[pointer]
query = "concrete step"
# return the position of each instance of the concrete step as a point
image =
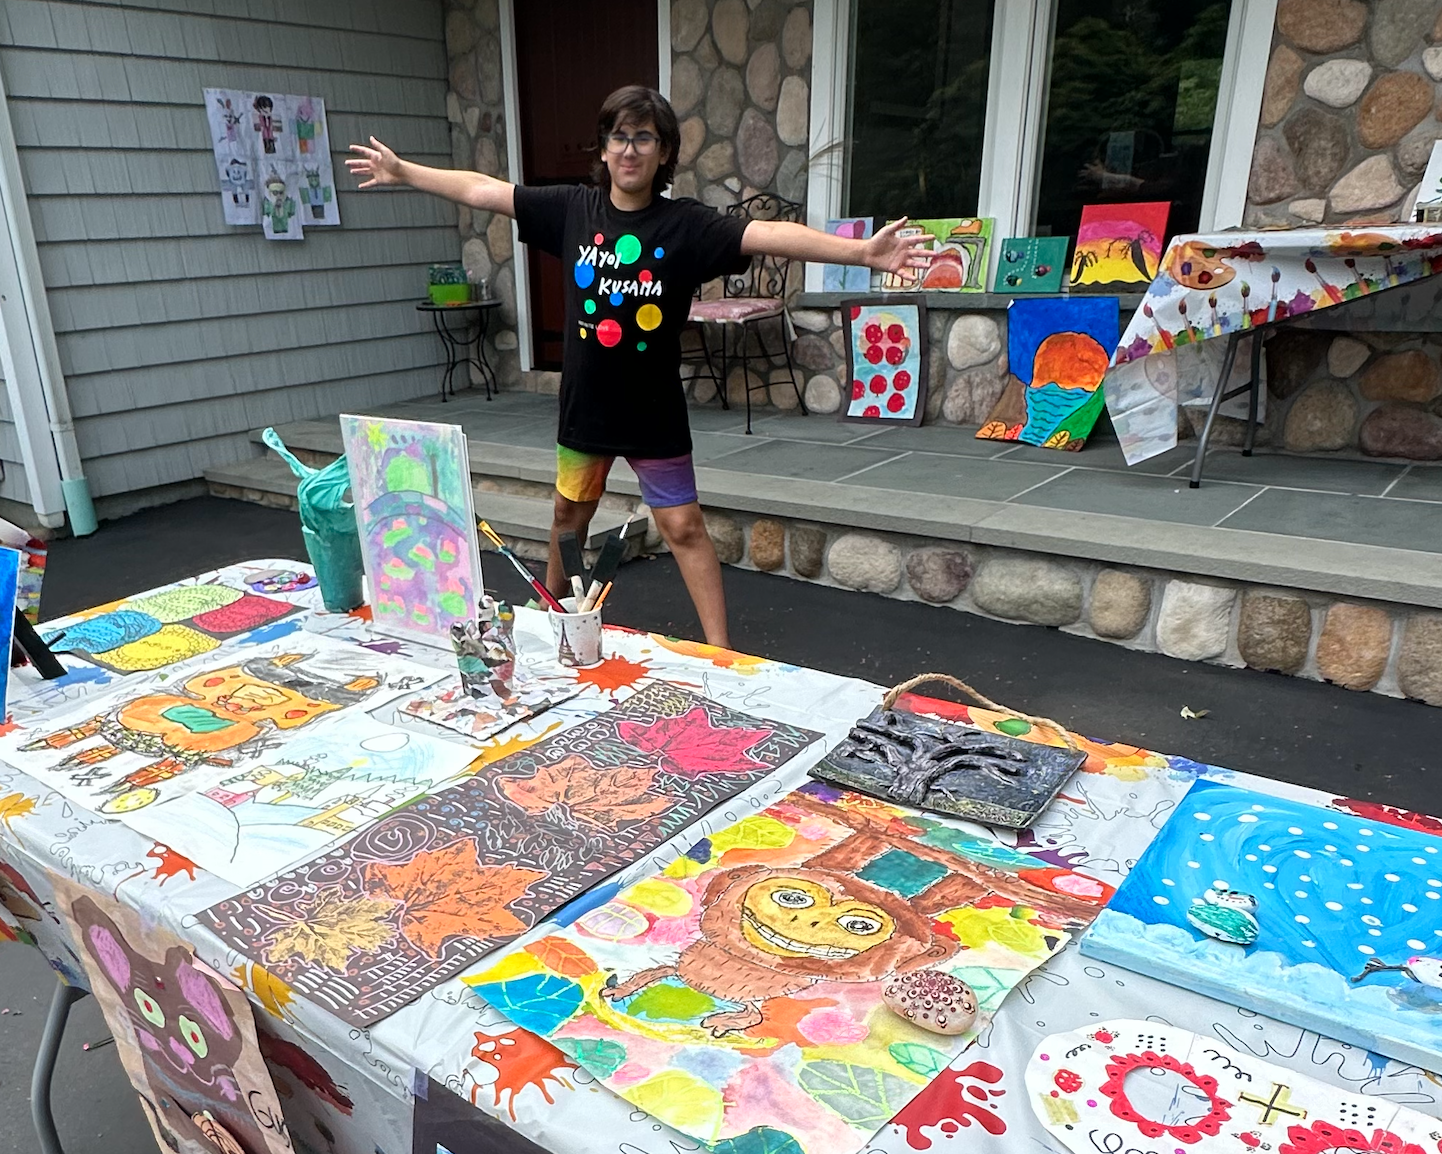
(268, 480)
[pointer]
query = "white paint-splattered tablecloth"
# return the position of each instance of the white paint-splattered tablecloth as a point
(1232, 283)
(1100, 824)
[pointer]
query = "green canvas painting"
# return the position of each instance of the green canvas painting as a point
(1031, 264)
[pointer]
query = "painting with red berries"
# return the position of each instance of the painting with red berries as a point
(424, 893)
(886, 343)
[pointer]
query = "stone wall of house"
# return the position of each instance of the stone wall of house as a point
(475, 107)
(1377, 392)
(1385, 648)
(1349, 111)
(741, 88)
(966, 373)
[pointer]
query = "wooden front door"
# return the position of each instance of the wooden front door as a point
(571, 55)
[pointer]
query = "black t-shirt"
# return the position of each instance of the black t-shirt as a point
(629, 280)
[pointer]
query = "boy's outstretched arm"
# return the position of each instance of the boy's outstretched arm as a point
(380, 166)
(885, 252)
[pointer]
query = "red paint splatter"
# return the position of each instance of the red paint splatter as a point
(360, 613)
(934, 706)
(614, 672)
(521, 1059)
(1103, 1036)
(1068, 1081)
(171, 863)
(1374, 811)
(943, 1104)
(8, 726)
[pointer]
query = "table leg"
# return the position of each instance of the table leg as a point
(447, 343)
(483, 362)
(64, 997)
(1196, 481)
(1254, 395)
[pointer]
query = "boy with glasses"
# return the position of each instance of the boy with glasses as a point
(633, 261)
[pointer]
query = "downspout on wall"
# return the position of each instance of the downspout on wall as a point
(31, 359)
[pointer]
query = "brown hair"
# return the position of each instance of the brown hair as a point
(637, 104)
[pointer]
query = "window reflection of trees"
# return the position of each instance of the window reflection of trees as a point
(918, 107)
(1133, 90)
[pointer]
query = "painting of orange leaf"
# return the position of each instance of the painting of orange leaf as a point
(331, 927)
(447, 893)
(603, 797)
(562, 957)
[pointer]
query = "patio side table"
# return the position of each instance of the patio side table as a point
(464, 346)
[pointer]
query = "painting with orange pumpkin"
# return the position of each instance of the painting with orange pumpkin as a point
(1059, 351)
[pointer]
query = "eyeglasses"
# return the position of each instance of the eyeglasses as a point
(643, 142)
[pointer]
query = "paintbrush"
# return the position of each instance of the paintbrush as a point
(606, 565)
(573, 562)
(530, 579)
(601, 600)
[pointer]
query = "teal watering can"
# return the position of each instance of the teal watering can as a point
(328, 523)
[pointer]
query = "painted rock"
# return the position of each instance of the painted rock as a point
(1225, 914)
(932, 1000)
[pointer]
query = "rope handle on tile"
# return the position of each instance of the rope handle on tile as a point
(894, 694)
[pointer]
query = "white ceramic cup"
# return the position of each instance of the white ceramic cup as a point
(578, 635)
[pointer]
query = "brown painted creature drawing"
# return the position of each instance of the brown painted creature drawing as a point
(185, 1036)
(769, 933)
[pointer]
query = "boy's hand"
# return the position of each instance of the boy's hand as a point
(888, 252)
(378, 163)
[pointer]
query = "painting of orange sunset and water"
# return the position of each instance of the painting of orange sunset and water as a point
(1119, 246)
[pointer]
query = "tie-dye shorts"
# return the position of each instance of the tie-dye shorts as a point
(665, 481)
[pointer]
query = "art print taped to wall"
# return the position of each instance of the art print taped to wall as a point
(886, 346)
(262, 137)
(1059, 351)
(1311, 916)
(184, 1034)
(411, 483)
(422, 894)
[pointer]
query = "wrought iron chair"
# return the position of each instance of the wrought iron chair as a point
(746, 303)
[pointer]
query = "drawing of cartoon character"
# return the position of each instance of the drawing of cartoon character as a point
(186, 1035)
(278, 208)
(316, 194)
(305, 126)
(267, 124)
(216, 716)
(231, 119)
(238, 182)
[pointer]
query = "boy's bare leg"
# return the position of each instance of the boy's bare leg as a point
(566, 515)
(685, 534)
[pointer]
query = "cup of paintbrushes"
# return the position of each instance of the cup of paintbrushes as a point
(578, 635)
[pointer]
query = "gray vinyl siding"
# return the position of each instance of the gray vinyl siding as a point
(179, 334)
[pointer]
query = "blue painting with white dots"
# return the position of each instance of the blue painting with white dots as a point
(1315, 917)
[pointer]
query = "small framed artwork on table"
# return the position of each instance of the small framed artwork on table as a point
(886, 353)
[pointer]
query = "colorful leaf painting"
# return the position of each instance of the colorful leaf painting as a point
(866, 1098)
(427, 890)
